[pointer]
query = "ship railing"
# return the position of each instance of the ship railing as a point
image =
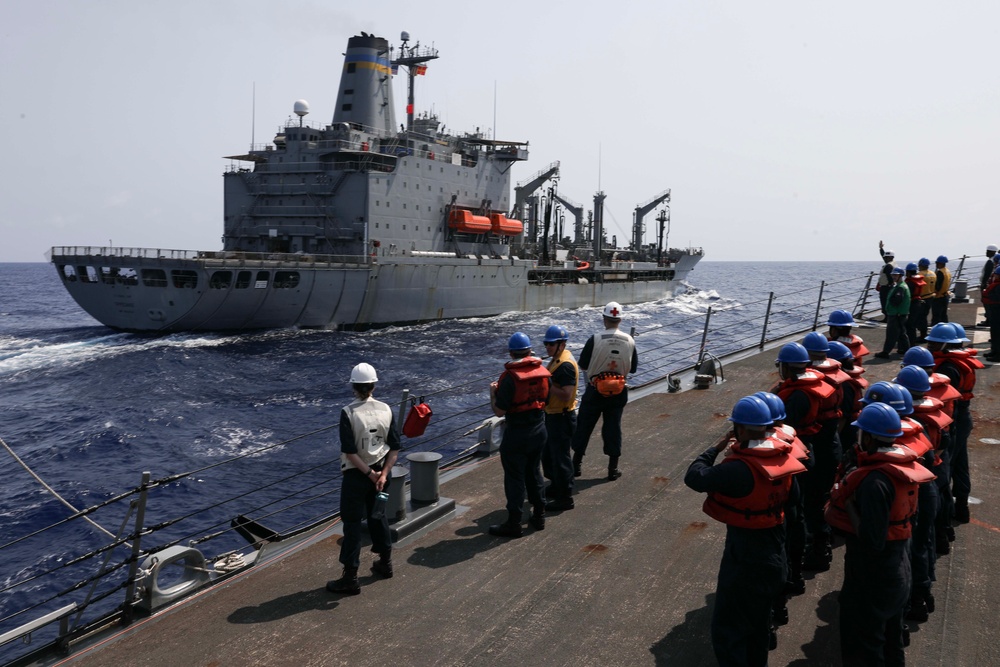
(217, 258)
(297, 479)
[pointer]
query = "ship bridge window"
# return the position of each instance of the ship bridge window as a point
(67, 272)
(286, 279)
(88, 274)
(263, 277)
(154, 277)
(243, 280)
(184, 278)
(221, 280)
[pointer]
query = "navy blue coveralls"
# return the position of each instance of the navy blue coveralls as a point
(752, 572)
(521, 453)
(357, 499)
(557, 464)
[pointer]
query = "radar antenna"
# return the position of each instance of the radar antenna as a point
(414, 59)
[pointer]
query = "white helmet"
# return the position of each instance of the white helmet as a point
(888, 253)
(613, 310)
(991, 247)
(363, 374)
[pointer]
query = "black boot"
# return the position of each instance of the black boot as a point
(577, 464)
(917, 609)
(816, 558)
(613, 471)
(929, 600)
(508, 529)
(383, 566)
(941, 544)
(962, 509)
(560, 504)
(537, 519)
(347, 584)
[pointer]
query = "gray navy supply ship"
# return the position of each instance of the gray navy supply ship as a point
(361, 222)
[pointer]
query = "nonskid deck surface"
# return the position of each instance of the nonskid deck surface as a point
(625, 578)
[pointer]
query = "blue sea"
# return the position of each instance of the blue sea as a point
(248, 422)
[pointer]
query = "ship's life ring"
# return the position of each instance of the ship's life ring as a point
(582, 266)
(430, 155)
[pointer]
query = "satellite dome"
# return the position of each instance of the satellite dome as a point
(301, 108)
(405, 36)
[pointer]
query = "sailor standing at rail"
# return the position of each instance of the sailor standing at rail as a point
(519, 396)
(885, 274)
(560, 420)
(984, 278)
(747, 491)
(942, 295)
(607, 358)
(369, 445)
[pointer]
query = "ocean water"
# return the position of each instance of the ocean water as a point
(248, 422)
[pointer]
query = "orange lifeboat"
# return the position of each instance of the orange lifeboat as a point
(463, 221)
(501, 224)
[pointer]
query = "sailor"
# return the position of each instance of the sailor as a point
(853, 390)
(747, 492)
(812, 406)
(984, 278)
(991, 302)
(840, 323)
(918, 306)
(927, 411)
(960, 366)
(897, 310)
(941, 296)
(560, 420)
(873, 505)
(519, 396)
(607, 358)
(885, 274)
(795, 523)
(941, 391)
(930, 278)
(369, 444)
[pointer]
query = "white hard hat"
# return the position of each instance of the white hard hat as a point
(888, 253)
(991, 247)
(363, 374)
(613, 310)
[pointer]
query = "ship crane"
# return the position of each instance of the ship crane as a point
(640, 213)
(524, 189)
(663, 217)
(577, 211)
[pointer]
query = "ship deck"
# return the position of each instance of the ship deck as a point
(626, 578)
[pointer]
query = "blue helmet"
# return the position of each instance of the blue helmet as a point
(942, 332)
(815, 342)
(839, 351)
(897, 271)
(907, 407)
(774, 404)
(840, 318)
(919, 356)
(793, 353)
(997, 270)
(751, 411)
(924, 262)
(879, 420)
(959, 332)
(914, 378)
(556, 333)
(941, 259)
(912, 266)
(885, 392)
(518, 342)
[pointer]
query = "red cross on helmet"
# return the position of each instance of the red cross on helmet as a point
(613, 310)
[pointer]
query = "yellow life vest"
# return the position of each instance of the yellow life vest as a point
(556, 405)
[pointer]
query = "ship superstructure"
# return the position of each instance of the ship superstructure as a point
(361, 222)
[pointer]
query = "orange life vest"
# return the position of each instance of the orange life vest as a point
(531, 384)
(855, 344)
(786, 433)
(913, 437)
(772, 466)
(901, 467)
(860, 386)
(819, 392)
(966, 365)
(942, 390)
(929, 412)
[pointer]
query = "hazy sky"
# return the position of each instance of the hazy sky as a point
(786, 130)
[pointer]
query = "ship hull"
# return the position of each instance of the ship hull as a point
(185, 291)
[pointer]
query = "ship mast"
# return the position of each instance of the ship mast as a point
(414, 59)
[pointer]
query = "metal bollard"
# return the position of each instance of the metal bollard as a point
(961, 289)
(424, 477)
(396, 507)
